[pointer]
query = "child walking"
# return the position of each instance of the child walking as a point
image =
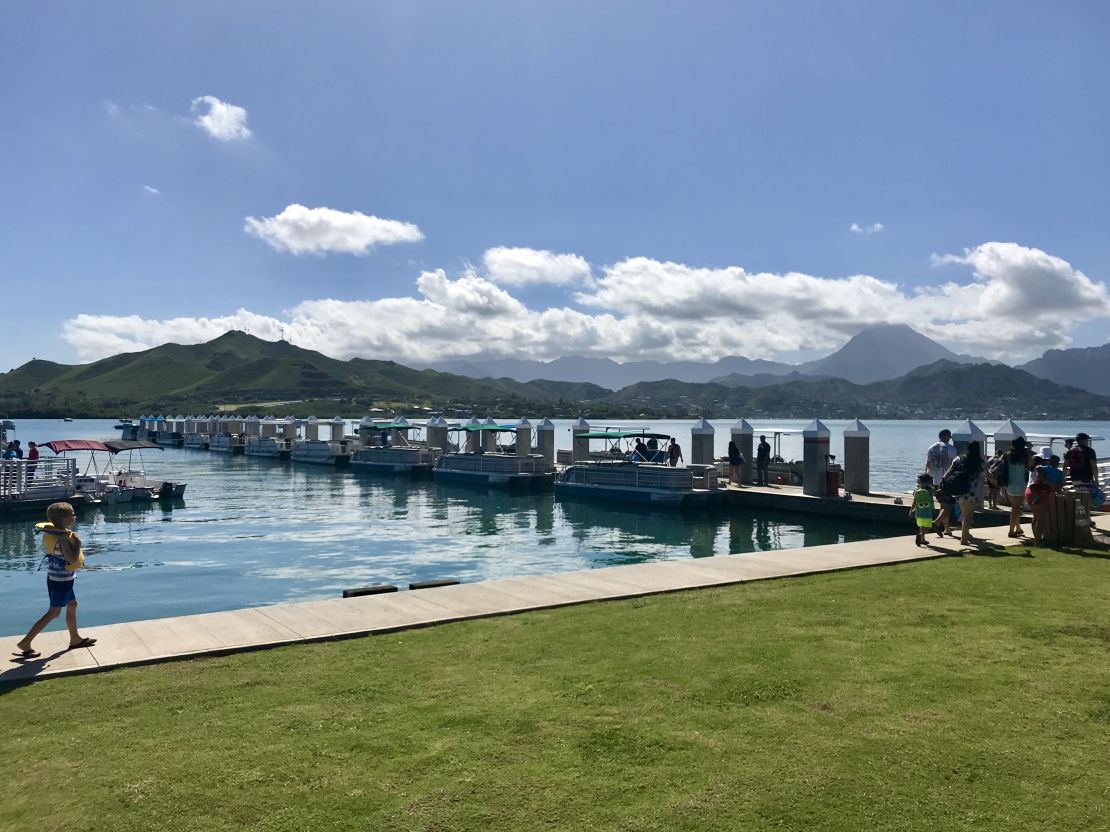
(64, 557)
(922, 510)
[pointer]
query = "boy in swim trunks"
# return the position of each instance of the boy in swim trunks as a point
(64, 558)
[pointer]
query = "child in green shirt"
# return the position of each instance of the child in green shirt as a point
(923, 506)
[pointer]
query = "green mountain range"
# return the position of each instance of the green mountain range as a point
(239, 371)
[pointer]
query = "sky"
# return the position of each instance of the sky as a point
(426, 181)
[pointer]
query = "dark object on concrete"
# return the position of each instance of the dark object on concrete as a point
(374, 589)
(432, 584)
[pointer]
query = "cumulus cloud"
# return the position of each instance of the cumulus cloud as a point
(874, 228)
(302, 230)
(150, 189)
(220, 120)
(521, 266)
(112, 108)
(1010, 306)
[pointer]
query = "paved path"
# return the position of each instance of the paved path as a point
(166, 639)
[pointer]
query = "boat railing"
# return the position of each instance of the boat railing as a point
(21, 479)
(495, 463)
(397, 456)
(647, 476)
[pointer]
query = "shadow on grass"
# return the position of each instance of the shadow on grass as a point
(986, 549)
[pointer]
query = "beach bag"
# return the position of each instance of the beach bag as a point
(1098, 498)
(955, 483)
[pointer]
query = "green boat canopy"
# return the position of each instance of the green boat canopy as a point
(481, 428)
(390, 426)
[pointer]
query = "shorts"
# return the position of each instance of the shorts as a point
(61, 592)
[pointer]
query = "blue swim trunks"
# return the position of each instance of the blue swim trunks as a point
(61, 592)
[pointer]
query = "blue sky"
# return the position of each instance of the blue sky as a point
(653, 180)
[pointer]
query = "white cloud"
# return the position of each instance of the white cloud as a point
(148, 189)
(521, 266)
(112, 108)
(874, 228)
(220, 120)
(1017, 302)
(302, 230)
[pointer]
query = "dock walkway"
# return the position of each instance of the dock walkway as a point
(191, 636)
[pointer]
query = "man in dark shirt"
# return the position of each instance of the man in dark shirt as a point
(762, 460)
(1081, 460)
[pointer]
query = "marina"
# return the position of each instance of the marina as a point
(252, 530)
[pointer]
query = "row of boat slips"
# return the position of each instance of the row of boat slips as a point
(605, 462)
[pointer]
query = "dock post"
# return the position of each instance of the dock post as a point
(523, 438)
(857, 458)
(701, 443)
(579, 448)
(436, 434)
(1004, 437)
(743, 435)
(473, 437)
(815, 452)
(311, 428)
(399, 438)
(545, 442)
(489, 437)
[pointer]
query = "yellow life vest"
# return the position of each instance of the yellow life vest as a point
(51, 537)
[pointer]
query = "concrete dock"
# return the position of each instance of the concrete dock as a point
(183, 637)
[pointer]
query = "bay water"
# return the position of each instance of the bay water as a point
(255, 531)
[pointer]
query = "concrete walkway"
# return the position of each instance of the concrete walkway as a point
(167, 639)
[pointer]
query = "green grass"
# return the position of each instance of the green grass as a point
(961, 694)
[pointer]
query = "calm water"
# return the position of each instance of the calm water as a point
(253, 532)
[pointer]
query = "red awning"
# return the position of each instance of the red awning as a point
(60, 446)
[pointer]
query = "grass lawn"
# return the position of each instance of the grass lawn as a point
(966, 693)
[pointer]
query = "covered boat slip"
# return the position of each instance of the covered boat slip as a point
(390, 448)
(631, 470)
(486, 462)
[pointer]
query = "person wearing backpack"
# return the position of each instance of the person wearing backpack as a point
(961, 483)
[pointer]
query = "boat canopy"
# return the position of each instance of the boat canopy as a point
(1055, 437)
(119, 445)
(486, 428)
(60, 446)
(622, 434)
(390, 426)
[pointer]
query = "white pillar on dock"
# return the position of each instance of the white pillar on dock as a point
(190, 424)
(398, 438)
(337, 429)
(311, 428)
(365, 434)
(268, 427)
(701, 443)
(857, 458)
(437, 435)
(179, 424)
(545, 442)
(523, 437)
(815, 452)
(743, 434)
(253, 426)
(489, 437)
(966, 433)
(473, 437)
(579, 447)
(1007, 432)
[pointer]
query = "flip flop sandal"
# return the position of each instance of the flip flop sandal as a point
(26, 654)
(85, 642)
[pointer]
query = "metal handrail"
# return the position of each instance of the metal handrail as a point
(26, 479)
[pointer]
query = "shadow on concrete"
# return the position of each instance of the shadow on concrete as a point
(24, 671)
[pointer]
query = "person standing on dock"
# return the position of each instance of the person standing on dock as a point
(762, 460)
(674, 453)
(735, 460)
(938, 459)
(32, 460)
